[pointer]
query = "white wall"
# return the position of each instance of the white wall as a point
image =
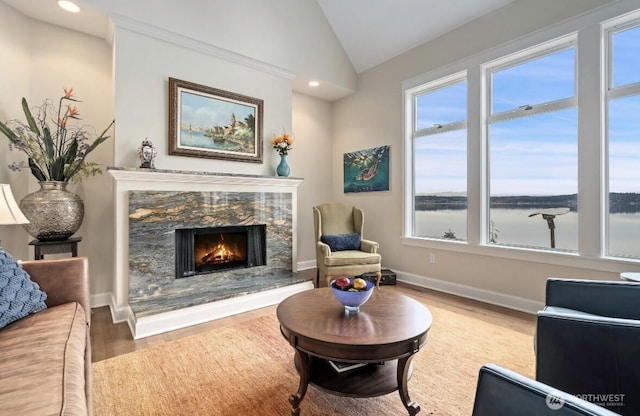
(14, 82)
(311, 160)
(290, 34)
(143, 66)
(130, 80)
(373, 116)
(45, 60)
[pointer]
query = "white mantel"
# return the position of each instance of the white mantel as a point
(138, 179)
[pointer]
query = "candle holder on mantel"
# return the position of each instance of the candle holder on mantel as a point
(147, 154)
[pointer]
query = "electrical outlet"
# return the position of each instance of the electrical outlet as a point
(432, 258)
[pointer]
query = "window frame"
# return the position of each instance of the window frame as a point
(563, 43)
(592, 167)
(411, 96)
(609, 29)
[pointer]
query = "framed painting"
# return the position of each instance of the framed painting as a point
(367, 170)
(212, 123)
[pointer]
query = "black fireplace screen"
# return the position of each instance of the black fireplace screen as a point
(211, 249)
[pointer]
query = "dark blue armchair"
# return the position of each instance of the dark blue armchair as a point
(502, 392)
(588, 342)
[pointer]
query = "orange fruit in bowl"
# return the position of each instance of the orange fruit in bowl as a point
(359, 283)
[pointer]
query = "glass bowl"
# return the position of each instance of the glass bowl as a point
(352, 300)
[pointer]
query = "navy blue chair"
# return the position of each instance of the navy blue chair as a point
(502, 392)
(588, 342)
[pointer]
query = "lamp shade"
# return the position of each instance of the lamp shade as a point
(9, 211)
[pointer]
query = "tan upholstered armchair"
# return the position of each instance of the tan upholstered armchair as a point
(340, 248)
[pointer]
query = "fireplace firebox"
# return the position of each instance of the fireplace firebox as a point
(210, 249)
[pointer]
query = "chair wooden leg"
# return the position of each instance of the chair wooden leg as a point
(379, 276)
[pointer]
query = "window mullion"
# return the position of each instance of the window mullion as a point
(440, 128)
(624, 91)
(532, 110)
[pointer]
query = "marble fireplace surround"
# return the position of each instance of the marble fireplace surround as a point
(151, 203)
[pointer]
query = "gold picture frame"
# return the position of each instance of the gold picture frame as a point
(212, 123)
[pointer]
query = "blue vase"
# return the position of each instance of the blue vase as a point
(283, 167)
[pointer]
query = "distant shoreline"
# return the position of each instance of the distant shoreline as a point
(618, 202)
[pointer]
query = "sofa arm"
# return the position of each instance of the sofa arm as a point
(368, 246)
(63, 280)
(616, 299)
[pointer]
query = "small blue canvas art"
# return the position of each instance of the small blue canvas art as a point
(367, 170)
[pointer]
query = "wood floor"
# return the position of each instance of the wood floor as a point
(109, 340)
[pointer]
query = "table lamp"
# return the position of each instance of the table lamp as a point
(9, 211)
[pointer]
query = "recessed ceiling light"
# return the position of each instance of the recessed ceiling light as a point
(313, 83)
(69, 6)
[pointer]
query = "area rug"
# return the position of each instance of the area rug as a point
(247, 369)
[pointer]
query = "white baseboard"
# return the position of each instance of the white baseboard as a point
(306, 265)
(487, 296)
(100, 299)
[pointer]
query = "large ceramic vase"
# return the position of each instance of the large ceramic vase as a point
(283, 167)
(54, 213)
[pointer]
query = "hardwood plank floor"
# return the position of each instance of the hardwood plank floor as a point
(109, 340)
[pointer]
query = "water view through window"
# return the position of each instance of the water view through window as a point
(531, 153)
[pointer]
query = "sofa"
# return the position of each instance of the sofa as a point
(45, 357)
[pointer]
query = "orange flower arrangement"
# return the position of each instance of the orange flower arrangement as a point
(282, 143)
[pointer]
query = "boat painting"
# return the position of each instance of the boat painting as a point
(367, 170)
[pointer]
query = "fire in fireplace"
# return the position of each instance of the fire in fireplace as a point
(210, 249)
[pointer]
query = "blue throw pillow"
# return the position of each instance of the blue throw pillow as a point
(19, 295)
(340, 242)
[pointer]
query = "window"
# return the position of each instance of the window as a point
(498, 144)
(439, 143)
(623, 133)
(532, 136)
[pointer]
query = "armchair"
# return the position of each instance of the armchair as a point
(340, 248)
(501, 392)
(588, 341)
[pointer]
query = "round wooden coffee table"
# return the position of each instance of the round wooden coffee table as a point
(386, 333)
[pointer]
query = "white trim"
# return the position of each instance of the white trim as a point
(534, 52)
(198, 46)
(168, 321)
(306, 265)
(624, 91)
(534, 109)
(100, 299)
(440, 128)
(155, 175)
(469, 292)
(559, 258)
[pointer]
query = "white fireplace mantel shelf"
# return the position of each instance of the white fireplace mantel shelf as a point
(195, 177)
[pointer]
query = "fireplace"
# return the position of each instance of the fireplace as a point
(211, 249)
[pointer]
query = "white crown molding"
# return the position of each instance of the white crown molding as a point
(155, 32)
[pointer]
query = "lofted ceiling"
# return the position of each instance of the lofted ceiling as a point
(370, 31)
